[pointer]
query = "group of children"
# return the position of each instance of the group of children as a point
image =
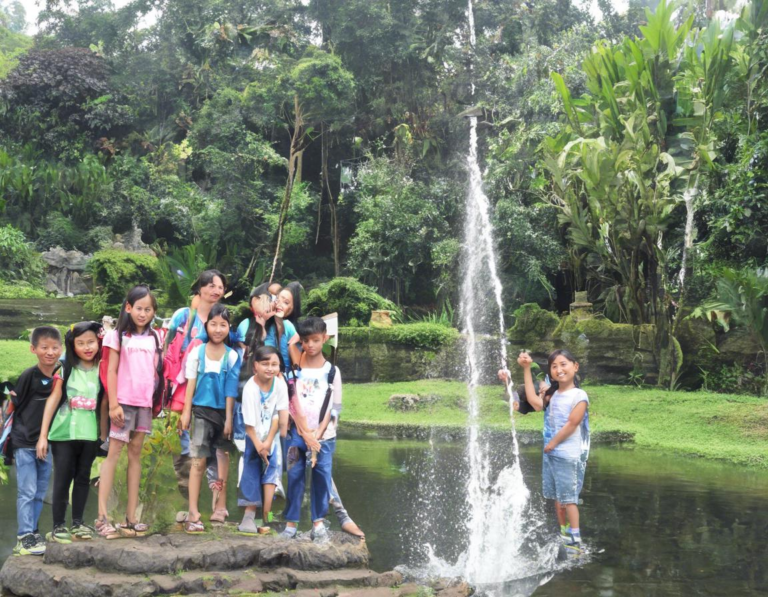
(266, 388)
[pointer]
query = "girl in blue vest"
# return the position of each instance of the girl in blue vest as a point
(212, 373)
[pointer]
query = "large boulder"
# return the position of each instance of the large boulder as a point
(66, 272)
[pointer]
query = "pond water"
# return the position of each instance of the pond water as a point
(17, 315)
(656, 524)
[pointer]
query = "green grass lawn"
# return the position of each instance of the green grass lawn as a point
(716, 426)
(14, 358)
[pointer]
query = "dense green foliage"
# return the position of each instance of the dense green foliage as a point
(20, 261)
(626, 157)
(114, 273)
(352, 300)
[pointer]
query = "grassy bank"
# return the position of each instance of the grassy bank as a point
(715, 426)
(14, 358)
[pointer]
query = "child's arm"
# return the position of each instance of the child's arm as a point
(115, 410)
(251, 432)
(571, 425)
(228, 420)
(534, 399)
(50, 409)
(186, 413)
(266, 445)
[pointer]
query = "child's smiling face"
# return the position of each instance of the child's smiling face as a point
(563, 370)
(218, 329)
(87, 346)
(47, 351)
(267, 369)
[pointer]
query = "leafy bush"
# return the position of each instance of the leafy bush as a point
(352, 300)
(419, 335)
(20, 290)
(532, 324)
(115, 272)
(20, 261)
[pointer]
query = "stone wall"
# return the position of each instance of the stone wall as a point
(66, 272)
(607, 352)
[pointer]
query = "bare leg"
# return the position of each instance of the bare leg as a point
(134, 474)
(560, 511)
(572, 511)
(269, 494)
(195, 479)
(107, 475)
(223, 463)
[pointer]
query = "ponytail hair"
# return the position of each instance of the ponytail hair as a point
(554, 385)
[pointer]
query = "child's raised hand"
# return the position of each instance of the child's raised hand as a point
(524, 360)
(503, 375)
(117, 416)
(42, 448)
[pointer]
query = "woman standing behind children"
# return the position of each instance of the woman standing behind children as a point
(71, 425)
(265, 396)
(134, 373)
(212, 372)
(566, 438)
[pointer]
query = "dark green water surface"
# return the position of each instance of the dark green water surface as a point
(656, 524)
(22, 314)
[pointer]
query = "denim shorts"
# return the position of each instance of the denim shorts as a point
(562, 478)
(137, 419)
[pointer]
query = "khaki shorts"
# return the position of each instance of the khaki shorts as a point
(138, 419)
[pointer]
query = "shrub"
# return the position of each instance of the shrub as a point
(532, 324)
(352, 300)
(420, 335)
(115, 272)
(20, 261)
(20, 290)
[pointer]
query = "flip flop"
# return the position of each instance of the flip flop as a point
(194, 527)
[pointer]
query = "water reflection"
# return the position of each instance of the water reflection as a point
(655, 524)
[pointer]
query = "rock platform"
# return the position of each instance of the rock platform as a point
(216, 563)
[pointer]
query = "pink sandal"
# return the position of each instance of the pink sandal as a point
(194, 528)
(105, 529)
(132, 529)
(219, 515)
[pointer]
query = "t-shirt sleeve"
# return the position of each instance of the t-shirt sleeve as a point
(250, 399)
(233, 375)
(22, 388)
(242, 330)
(290, 330)
(111, 340)
(581, 397)
(281, 390)
(193, 363)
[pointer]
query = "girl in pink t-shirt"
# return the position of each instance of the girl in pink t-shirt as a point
(135, 369)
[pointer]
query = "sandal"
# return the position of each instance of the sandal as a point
(219, 515)
(132, 529)
(194, 527)
(105, 529)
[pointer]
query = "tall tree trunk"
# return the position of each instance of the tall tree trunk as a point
(331, 205)
(294, 170)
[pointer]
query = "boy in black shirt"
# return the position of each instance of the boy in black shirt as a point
(32, 475)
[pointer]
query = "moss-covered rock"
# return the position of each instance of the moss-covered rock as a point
(532, 325)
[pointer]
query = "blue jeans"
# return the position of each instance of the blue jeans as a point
(321, 477)
(32, 476)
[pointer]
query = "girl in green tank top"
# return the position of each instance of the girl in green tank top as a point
(71, 427)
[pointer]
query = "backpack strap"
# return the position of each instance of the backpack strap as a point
(328, 392)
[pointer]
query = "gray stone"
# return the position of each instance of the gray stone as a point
(65, 275)
(131, 241)
(392, 578)
(404, 402)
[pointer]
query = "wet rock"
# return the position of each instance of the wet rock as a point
(392, 578)
(409, 590)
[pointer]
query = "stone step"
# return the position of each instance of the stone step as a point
(31, 577)
(219, 550)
